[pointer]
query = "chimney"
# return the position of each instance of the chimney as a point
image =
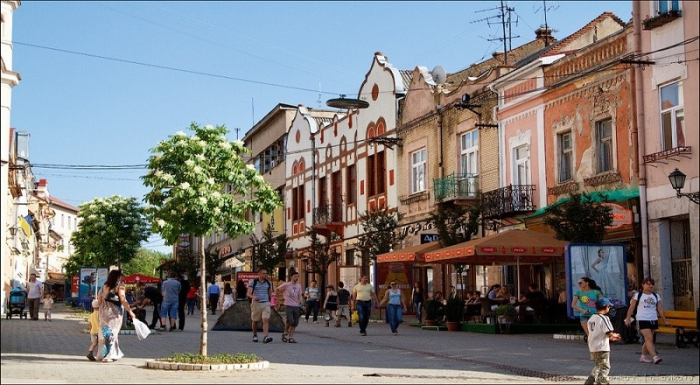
(545, 34)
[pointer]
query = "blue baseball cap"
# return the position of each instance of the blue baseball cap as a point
(603, 302)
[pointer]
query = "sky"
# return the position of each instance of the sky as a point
(104, 82)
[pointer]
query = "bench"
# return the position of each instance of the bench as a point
(684, 324)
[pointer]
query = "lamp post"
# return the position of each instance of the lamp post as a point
(677, 179)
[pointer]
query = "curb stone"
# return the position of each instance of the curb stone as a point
(162, 365)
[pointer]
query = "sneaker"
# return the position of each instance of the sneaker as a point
(255, 338)
(657, 359)
(349, 324)
(91, 357)
(645, 359)
(162, 328)
(315, 322)
(267, 339)
(173, 328)
(363, 334)
(307, 320)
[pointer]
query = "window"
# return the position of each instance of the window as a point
(376, 170)
(418, 171)
(469, 158)
(522, 165)
(352, 184)
(672, 118)
(298, 203)
(565, 156)
(604, 154)
(664, 6)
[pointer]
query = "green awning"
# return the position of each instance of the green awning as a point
(596, 196)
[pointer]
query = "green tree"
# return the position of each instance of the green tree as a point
(454, 223)
(580, 219)
(110, 231)
(270, 250)
(187, 176)
(145, 262)
(380, 234)
(320, 256)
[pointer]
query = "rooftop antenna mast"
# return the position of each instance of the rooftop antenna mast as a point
(545, 9)
(506, 25)
(319, 96)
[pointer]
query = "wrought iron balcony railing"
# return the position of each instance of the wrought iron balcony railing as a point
(456, 186)
(506, 201)
(328, 214)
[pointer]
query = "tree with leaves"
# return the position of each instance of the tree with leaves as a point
(320, 256)
(145, 262)
(110, 232)
(380, 234)
(188, 175)
(270, 251)
(580, 219)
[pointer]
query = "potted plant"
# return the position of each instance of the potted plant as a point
(432, 307)
(454, 312)
(505, 314)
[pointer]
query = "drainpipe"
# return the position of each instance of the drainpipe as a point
(441, 170)
(638, 96)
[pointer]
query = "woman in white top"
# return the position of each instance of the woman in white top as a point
(228, 297)
(648, 312)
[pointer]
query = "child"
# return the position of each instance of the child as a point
(94, 329)
(600, 333)
(48, 305)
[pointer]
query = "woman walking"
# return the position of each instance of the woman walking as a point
(395, 306)
(648, 306)
(584, 301)
(112, 302)
(417, 299)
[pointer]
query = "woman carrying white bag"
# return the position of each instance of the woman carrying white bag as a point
(142, 330)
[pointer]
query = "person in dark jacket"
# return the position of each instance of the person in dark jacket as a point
(184, 289)
(152, 296)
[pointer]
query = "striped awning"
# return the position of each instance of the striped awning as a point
(409, 254)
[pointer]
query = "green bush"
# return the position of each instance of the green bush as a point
(431, 309)
(454, 310)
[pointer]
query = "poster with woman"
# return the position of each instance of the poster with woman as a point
(605, 264)
(91, 280)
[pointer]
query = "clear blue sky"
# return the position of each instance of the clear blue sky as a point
(103, 82)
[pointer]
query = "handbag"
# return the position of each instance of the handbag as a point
(142, 330)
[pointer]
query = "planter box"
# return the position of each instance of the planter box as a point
(480, 328)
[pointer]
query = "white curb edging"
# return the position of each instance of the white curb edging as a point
(163, 365)
(568, 336)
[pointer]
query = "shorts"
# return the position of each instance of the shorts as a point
(259, 311)
(343, 310)
(584, 318)
(293, 314)
(653, 325)
(93, 338)
(169, 309)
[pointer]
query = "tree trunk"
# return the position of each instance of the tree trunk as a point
(203, 285)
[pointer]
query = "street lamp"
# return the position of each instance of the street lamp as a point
(677, 179)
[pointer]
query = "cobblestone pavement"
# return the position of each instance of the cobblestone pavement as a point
(54, 352)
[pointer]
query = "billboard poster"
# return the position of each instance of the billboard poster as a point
(605, 264)
(91, 279)
(398, 271)
(246, 276)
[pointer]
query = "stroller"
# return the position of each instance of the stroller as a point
(17, 303)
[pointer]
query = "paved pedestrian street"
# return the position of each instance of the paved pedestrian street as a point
(54, 352)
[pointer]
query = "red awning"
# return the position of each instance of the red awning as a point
(136, 278)
(409, 254)
(506, 248)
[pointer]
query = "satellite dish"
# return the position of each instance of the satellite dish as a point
(439, 75)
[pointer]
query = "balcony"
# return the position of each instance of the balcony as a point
(456, 187)
(507, 201)
(661, 19)
(327, 219)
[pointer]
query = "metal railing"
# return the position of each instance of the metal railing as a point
(507, 200)
(456, 186)
(328, 214)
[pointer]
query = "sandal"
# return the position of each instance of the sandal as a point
(284, 338)
(291, 340)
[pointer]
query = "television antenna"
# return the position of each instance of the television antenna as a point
(544, 10)
(506, 24)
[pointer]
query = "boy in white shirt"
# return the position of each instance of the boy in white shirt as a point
(600, 333)
(48, 305)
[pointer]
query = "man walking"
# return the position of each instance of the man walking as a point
(363, 297)
(343, 305)
(35, 292)
(292, 305)
(213, 293)
(171, 297)
(260, 292)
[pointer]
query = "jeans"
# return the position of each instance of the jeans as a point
(191, 302)
(34, 307)
(394, 316)
(312, 304)
(156, 316)
(418, 308)
(364, 309)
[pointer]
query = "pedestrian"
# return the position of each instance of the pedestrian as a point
(241, 291)
(228, 297)
(363, 297)
(291, 292)
(395, 306)
(313, 297)
(260, 291)
(47, 302)
(35, 292)
(330, 304)
(112, 303)
(182, 300)
(151, 296)
(191, 299)
(648, 307)
(171, 296)
(214, 292)
(584, 301)
(343, 305)
(94, 326)
(417, 299)
(600, 333)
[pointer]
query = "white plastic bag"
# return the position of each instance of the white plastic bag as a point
(142, 330)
